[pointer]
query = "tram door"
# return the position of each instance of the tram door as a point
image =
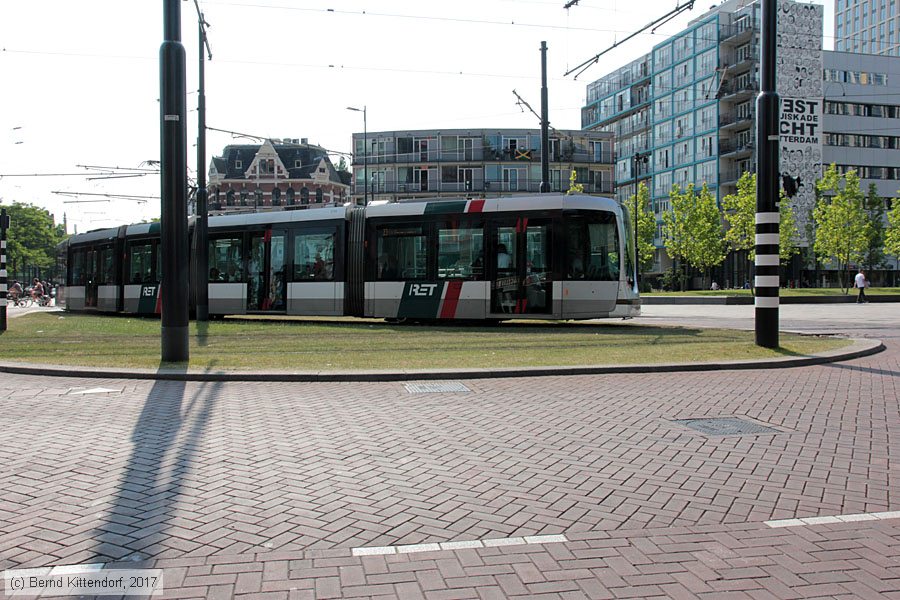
(91, 278)
(522, 280)
(266, 271)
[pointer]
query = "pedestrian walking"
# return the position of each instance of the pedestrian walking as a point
(861, 283)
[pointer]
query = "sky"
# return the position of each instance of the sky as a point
(81, 79)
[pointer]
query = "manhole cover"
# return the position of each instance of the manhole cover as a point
(436, 388)
(725, 426)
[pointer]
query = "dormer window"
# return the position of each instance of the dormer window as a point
(267, 166)
(298, 163)
(321, 169)
(238, 164)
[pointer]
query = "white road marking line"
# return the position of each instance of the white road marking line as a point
(73, 569)
(461, 545)
(824, 520)
(98, 390)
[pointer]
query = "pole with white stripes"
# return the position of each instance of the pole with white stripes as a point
(4, 225)
(767, 216)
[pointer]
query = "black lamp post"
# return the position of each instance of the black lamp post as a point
(365, 155)
(639, 158)
(175, 283)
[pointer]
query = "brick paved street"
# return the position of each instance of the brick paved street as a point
(264, 489)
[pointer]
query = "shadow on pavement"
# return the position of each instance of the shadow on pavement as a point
(884, 372)
(166, 440)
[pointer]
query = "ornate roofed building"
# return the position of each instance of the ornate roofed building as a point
(278, 174)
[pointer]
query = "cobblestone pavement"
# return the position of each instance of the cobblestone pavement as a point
(266, 489)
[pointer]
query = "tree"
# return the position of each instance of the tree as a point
(892, 234)
(646, 226)
(740, 213)
(31, 239)
(574, 188)
(342, 166)
(788, 233)
(874, 206)
(692, 229)
(842, 227)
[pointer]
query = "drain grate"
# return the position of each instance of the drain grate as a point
(725, 426)
(436, 388)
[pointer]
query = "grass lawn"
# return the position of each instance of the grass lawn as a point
(327, 345)
(783, 292)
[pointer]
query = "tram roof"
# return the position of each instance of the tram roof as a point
(287, 216)
(504, 204)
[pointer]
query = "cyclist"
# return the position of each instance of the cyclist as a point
(37, 290)
(15, 291)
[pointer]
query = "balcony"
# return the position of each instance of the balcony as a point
(477, 187)
(488, 155)
(735, 147)
(734, 120)
(739, 32)
(735, 91)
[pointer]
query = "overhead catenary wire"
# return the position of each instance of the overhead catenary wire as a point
(653, 24)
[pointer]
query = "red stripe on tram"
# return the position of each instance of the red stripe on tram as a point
(451, 299)
(476, 206)
(158, 309)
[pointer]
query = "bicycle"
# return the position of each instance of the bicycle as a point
(23, 301)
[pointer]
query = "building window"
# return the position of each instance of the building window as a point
(229, 198)
(243, 197)
(319, 195)
(276, 197)
(238, 164)
(304, 195)
(289, 196)
(298, 163)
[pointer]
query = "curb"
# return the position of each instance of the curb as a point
(748, 300)
(861, 347)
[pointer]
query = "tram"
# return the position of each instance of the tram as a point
(541, 256)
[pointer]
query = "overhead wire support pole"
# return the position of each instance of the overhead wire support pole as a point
(201, 227)
(4, 225)
(651, 25)
(175, 281)
(545, 136)
(768, 218)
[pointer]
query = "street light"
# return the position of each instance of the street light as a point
(365, 155)
(639, 157)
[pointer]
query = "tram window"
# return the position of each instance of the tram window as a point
(402, 253)
(225, 263)
(77, 274)
(140, 263)
(107, 267)
(461, 253)
(593, 248)
(314, 256)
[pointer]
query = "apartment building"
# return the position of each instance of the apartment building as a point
(685, 112)
(403, 165)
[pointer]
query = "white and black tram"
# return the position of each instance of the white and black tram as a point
(548, 256)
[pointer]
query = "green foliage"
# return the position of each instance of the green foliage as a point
(892, 234)
(342, 165)
(692, 230)
(574, 188)
(874, 206)
(843, 229)
(740, 213)
(31, 239)
(788, 233)
(646, 225)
